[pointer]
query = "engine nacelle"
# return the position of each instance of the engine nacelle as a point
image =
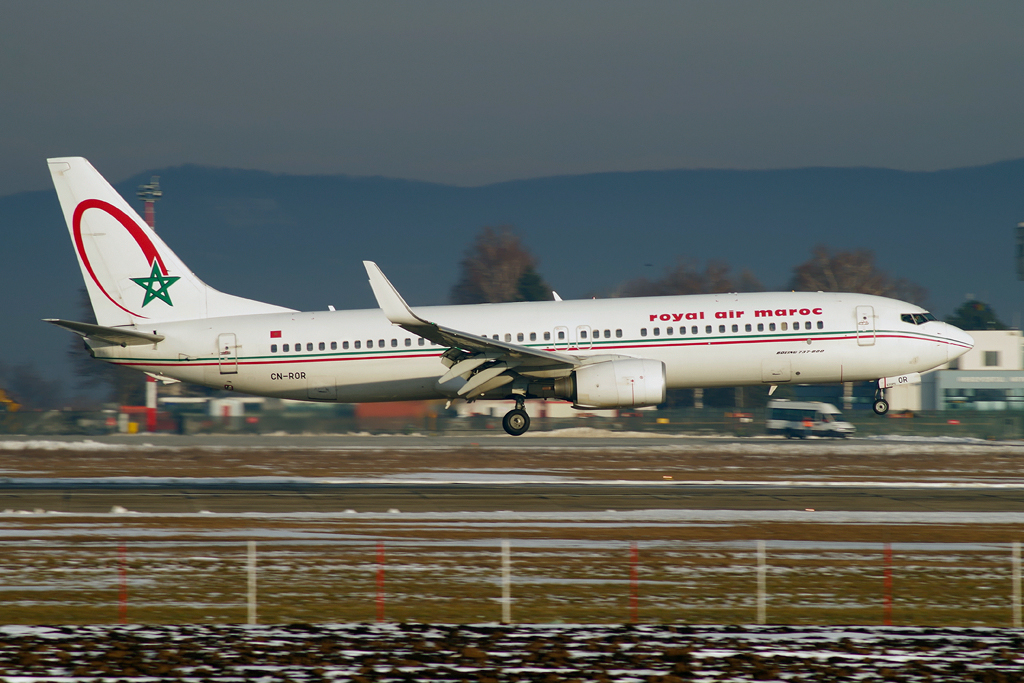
(629, 383)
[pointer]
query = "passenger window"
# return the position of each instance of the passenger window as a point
(821, 325)
(721, 329)
(735, 328)
(607, 334)
(408, 341)
(359, 344)
(547, 336)
(334, 346)
(561, 335)
(682, 330)
(694, 330)
(668, 331)
(298, 348)
(583, 334)
(284, 349)
(782, 326)
(760, 327)
(707, 329)
(309, 346)
(344, 345)
(508, 337)
(273, 348)
(369, 343)
(796, 325)
(657, 331)
(323, 347)
(421, 341)
(747, 327)
(519, 336)
(380, 343)
(618, 334)
(771, 327)
(494, 337)
(643, 331)
(533, 336)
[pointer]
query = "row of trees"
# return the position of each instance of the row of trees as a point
(497, 267)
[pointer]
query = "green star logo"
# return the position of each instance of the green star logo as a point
(156, 285)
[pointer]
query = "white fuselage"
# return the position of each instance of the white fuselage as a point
(703, 340)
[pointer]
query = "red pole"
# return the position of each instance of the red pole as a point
(380, 581)
(887, 583)
(123, 571)
(150, 404)
(634, 584)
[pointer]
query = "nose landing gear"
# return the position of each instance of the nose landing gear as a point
(516, 421)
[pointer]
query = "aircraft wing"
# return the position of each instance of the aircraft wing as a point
(111, 335)
(482, 349)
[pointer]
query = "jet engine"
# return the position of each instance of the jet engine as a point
(626, 383)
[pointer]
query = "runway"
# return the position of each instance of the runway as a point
(546, 473)
(232, 497)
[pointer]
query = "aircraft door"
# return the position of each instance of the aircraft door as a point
(561, 338)
(583, 341)
(865, 325)
(227, 353)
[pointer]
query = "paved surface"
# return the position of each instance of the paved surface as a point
(286, 497)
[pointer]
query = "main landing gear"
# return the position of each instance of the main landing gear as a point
(881, 406)
(516, 421)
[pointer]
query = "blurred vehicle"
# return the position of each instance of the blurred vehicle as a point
(801, 419)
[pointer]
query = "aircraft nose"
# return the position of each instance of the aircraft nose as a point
(959, 342)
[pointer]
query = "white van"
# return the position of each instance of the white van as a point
(800, 419)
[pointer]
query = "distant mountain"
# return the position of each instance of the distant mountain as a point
(298, 240)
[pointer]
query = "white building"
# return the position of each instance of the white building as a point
(988, 377)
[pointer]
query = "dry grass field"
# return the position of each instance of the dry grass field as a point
(317, 559)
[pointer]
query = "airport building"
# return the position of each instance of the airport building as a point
(988, 377)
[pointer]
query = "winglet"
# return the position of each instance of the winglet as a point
(388, 298)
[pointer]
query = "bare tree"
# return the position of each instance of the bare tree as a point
(852, 271)
(686, 278)
(497, 268)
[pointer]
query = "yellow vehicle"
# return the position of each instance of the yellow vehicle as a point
(10, 404)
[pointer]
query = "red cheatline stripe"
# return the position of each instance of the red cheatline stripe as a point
(696, 342)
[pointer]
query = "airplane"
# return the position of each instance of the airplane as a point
(154, 315)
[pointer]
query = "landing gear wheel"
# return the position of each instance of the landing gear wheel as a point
(516, 422)
(881, 406)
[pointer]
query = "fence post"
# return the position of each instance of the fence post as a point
(251, 566)
(762, 589)
(380, 581)
(634, 584)
(1015, 560)
(506, 583)
(887, 586)
(122, 607)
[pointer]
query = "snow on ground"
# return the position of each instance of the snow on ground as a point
(494, 652)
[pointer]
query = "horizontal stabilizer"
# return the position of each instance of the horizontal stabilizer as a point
(111, 335)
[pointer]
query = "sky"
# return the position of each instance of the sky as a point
(472, 93)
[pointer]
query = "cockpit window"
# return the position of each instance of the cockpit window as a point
(917, 318)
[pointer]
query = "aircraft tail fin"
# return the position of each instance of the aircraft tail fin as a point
(132, 277)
